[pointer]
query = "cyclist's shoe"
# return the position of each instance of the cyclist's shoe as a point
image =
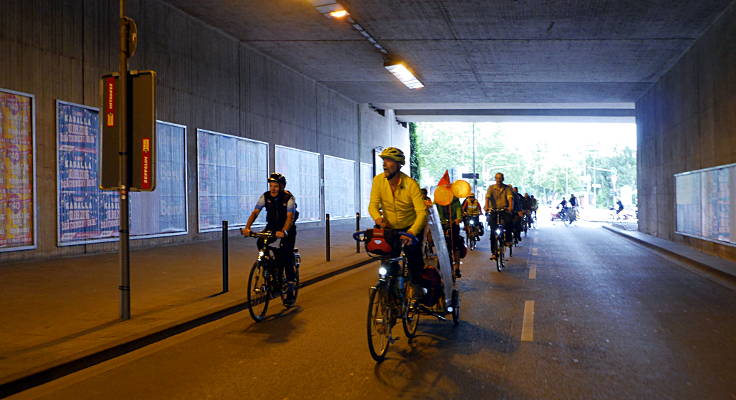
(290, 299)
(493, 257)
(458, 274)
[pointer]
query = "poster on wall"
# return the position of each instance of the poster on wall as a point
(301, 169)
(339, 181)
(703, 204)
(232, 174)
(17, 208)
(163, 212)
(85, 213)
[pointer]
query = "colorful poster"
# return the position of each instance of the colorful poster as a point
(86, 213)
(16, 172)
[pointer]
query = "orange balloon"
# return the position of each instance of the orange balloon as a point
(443, 196)
(461, 189)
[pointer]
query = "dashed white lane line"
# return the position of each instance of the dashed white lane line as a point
(527, 328)
(533, 272)
(535, 251)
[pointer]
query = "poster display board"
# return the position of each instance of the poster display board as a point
(339, 178)
(232, 173)
(85, 213)
(17, 172)
(163, 212)
(366, 182)
(301, 169)
(705, 202)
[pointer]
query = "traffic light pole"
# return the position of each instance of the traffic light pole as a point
(124, 167)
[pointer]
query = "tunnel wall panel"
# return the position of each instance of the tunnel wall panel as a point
(206, 80)
(687, 121)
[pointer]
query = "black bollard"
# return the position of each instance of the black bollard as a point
(357, 229)
(327, 237)
(224, 258)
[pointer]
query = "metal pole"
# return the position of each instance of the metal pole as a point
(124, 173)
(357, 229)
(475, 180)
(327, 236)
(225, 251)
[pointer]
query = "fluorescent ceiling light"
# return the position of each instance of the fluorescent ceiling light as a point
(330, 8)
(338, 14)
(403, 74)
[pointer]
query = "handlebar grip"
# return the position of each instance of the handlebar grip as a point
(357, 235)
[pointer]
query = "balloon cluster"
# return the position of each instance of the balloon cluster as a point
(444, 194)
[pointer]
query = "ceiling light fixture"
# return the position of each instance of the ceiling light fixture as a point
(330, 8)
(333, 9)
(404, 74)
(339, 14)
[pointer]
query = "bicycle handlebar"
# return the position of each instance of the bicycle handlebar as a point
(360, 236)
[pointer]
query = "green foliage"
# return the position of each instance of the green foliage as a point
(414, 157)
(549, 168)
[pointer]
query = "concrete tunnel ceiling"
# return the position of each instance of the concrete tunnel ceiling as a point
(474, 53)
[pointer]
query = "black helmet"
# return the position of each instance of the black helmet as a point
(278, 178)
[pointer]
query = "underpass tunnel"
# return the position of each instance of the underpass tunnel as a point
(628, 105)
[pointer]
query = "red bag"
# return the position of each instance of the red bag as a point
(381, 242)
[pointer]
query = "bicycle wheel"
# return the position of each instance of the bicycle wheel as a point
(411, 315)
(258, 291)
(284, 285)
(499, 255)
(455, 307)
(379, 332)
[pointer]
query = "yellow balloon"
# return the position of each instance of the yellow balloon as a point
(443, 196)
(461, 189)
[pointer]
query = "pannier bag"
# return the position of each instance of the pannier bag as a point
(431, 281)
(382, 242)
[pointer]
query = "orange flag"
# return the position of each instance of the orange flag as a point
(445, 181)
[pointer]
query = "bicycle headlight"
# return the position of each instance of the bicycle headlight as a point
(498, 231)
(472, 222)
(261, 254)
(382, 272)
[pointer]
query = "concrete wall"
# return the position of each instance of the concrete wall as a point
(687, 121)
(207, 80)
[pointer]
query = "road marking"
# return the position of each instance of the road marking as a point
(533, 272)
(527, 328)
(535, 251)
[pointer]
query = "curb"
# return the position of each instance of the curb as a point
(88, 359)
(695, 263)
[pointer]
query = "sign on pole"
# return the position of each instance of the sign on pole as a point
(143, 127)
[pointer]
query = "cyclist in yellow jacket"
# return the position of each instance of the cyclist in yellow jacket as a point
(397, 203)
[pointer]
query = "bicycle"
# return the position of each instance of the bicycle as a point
(473, 234)
(500, 232)
(388, 301)
(267, 280)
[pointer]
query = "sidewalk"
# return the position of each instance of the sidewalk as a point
(58, 311)
(686, 253)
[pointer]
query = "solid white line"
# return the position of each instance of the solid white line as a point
(533, 272)
(527, 328)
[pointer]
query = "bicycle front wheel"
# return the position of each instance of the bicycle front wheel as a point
(258, 291)
(379, 332)
(411, 315)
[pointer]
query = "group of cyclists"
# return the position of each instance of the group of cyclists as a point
(398, 203)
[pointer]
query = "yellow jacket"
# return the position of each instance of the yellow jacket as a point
(401, 208)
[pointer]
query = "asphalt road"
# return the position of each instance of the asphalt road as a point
(602, 318)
